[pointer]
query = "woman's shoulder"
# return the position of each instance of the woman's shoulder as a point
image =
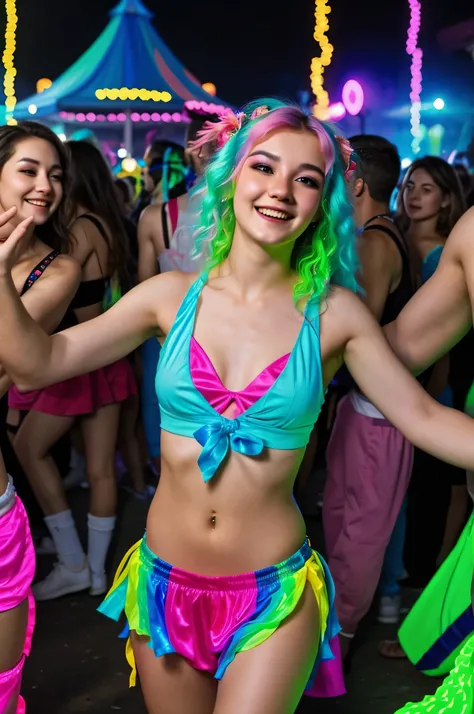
(343, 310)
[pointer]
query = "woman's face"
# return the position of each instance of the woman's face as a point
(278, 190)
(32, 181)
(422, 197)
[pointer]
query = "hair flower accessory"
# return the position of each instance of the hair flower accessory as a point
(221, 131)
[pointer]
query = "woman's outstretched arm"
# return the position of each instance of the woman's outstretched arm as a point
(443, 432)
(441, 312)
(33, 360)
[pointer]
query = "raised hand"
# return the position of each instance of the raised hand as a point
(12, 244)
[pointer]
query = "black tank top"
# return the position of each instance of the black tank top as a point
(396, 300)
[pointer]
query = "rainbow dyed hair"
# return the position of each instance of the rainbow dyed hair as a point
(325, 253)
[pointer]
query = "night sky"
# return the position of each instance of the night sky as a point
(253, 47)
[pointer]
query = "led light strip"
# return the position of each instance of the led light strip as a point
(318, 64)
(8, 61)
(416, 76)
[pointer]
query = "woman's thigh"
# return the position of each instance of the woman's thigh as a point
(169, 684)
(13, 624)
(271, 678)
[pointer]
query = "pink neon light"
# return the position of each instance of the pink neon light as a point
(101, 117)
(80, 117)
(176, 116)
(416, 64)
(166, 117)
(122, 116)
(135, 116)
(155, 116)
(353, 97)
(91, 116)
(111, 117)
(146, 116)
(337, 111)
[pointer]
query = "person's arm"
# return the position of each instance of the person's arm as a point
(49, 298)
(34, 360)
(440, 313)
(149, 236)
(48, 301)
(379, 259)
(443, 432)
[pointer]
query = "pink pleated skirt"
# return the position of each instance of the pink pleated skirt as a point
(80, 395)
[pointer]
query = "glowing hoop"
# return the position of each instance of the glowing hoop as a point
(353, 97)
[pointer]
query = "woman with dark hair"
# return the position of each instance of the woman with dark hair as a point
(98, 242)
(34, 171)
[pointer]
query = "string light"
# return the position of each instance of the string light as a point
(416, 77)
(8, 61)
(124, 93)
(210, 88)
(42, 84)
(121, 117)
(318, 64)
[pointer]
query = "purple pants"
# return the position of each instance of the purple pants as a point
(369, 466)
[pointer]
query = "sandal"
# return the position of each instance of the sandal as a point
(392, 649)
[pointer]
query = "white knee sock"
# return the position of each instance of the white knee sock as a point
(100, 534)
(64, 534)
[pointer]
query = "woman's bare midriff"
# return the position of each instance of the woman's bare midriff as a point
(242, 520)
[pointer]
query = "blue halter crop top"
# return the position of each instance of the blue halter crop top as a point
(283, 418)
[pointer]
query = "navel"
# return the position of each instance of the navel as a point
(213, 520)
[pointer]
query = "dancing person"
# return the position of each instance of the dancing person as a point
(98, 243)
(276, 218)
(431, 324)
(430, 204)
(165, 174)
(368, 459)
(34, 171)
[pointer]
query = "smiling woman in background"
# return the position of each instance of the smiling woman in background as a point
(34, 171)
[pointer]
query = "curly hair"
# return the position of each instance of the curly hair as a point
(326, 252)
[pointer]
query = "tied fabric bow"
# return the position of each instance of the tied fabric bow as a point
(216, 439)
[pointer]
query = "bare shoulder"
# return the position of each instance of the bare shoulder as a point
(151, 213)
(345, 315)
(460, 244)
(64, 270)
(167, 291)
(67, 267)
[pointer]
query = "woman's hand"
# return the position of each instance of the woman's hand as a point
(12, 242)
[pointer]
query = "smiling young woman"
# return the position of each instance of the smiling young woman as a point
(33, 178)
(225, 592)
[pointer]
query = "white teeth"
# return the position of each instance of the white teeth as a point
(43, 204)
(271, 213)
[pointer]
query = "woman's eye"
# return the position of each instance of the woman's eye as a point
(28, 172)
(312, 183)
(57, 177)
(263, 168)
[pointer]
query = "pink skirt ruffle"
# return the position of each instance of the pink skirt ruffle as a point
(17, 570)
(80, 395)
